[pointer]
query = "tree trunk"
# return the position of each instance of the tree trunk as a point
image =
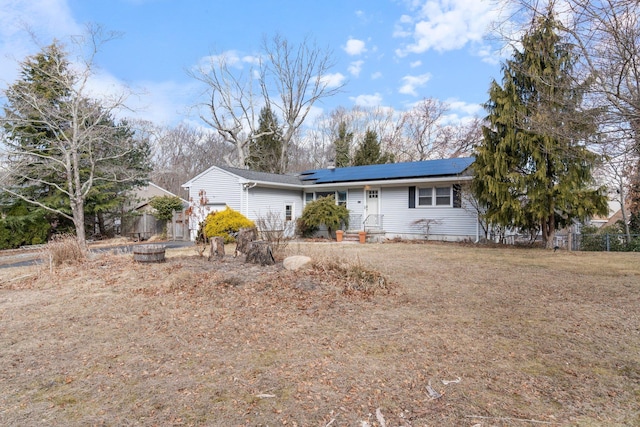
(244, 238)
(260, 253)
(216, 248)
(101, 226)
(548, 231)
(78, 222)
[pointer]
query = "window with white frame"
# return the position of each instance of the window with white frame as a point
(340, 196)
(443, 196)
(308, 197)
(434, 196)
(288, 212)
(425, 196)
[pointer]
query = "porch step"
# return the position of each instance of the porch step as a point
(351, 237)
(372, 236)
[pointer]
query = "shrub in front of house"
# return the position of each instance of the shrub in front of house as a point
(323, 211)
(225, 223)
(305, 230)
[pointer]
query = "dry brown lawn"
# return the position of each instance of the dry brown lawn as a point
(528, 337)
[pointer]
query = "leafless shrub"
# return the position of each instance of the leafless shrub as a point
(425, 224)
(64, 248)
(275, 230)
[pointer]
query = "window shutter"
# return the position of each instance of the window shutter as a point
(412, 197)
(457, 196)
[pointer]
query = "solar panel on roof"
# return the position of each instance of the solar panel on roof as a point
(427, 168)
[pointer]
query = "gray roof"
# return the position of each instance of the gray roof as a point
(263, 176)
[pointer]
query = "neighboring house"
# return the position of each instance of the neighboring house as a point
(614, 215)
(141, 196)
(388, 201)
(139, 222)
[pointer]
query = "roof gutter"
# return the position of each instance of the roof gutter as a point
(388, 182)
(272, 184)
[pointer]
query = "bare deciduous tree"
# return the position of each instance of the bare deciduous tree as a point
(423, 129)
(417, 134)
(290, 78)
(59, 138)
(182, 152)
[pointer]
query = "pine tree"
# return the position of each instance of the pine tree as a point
(368, 153)
(266, 148)
(32, 134)
(533, 170)
(342, 146)
(65, 152)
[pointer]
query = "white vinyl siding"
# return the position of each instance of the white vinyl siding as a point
(355, 200)
(451, 223)
(222, 188)
(275, 200)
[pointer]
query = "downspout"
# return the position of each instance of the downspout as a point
(246, 187)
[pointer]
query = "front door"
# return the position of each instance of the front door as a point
(372, 208)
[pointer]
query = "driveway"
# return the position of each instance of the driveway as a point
(31, 256)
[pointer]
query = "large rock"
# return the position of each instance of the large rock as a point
(296, 262)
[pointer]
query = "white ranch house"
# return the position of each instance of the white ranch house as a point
(384, 200)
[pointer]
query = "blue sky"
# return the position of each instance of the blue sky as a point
(389, 53)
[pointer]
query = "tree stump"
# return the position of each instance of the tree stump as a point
(243, 240)
(260, 253)
(216, 248)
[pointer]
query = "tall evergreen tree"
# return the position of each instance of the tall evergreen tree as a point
(533, 170)
(65, 152)
(342, 146)
(265, 150)
(32, 134)
(369, 153)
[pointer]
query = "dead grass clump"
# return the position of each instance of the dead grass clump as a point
(63, 249)
(354, 277)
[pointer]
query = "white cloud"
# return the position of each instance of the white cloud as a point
(376, 75)
(411, 83)
(415, 64)
(27, 25)
(231, 58)
(44, 19)
(164, 102)
(355, 67)
(460, 112)
(355, 47)
(464, 107)
(333, 80)
(445, 25)
(367, 100)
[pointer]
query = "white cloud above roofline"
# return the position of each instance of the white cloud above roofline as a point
(444, 25)
(355, 47)
(410, 84)
(367, 100)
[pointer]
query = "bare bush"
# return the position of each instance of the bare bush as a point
(275, 230)
(63, 249)
(425, 224)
